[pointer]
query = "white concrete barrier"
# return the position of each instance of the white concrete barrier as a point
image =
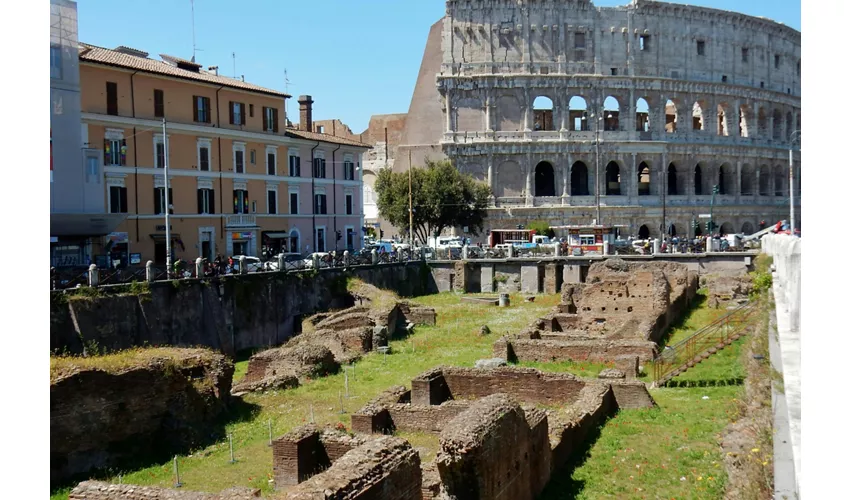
(787, 251)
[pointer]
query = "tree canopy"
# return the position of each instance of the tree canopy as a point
(442, 198)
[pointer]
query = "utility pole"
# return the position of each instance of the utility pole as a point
(791, 179)
(167, 200)
(711, 212)
(598, 215)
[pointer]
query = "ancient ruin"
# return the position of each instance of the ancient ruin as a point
(619, 313)
(158, 401)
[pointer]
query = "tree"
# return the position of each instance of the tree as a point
(442, 198)
(542, 228)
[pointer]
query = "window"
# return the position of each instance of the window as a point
(206, 201)
(111, 98)
(745, 55)
(56, 62)
(201, 109)
(798, 68)
(349, 204)
(348, 170)
(239, 158)
(203, 156)
(237, 113)
(117, 200)
(251, 110)
(240, 201)
(271, 200)
(320, 204)
(271, 162)
(776, 61)
(159, 200)
(92, 168)
(294, 243)
(159, 157)
(587, 240)
(293, 202)
(320, 239)
(644, 43)
(700, 48)
(613, 71)
(579, 41)
(294, 165)
(115, 152)
(349, 238)
(253, 157)
(723, 79)
(319, 170)
(158, 103)
(269, 119)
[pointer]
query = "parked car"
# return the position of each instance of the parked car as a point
(324, 260)
(252, 264)
(291, 261)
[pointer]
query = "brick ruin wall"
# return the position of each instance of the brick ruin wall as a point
(97, 490)
(100, 419)
(306, 451)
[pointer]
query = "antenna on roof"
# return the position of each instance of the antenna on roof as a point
(234, 64)
(286, 80)
(192, 3)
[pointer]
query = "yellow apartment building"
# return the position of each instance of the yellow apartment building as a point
(240, 180)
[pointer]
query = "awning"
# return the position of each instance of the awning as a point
(86, 225)
(160, 237)
(276, 236)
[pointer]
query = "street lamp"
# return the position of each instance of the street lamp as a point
(791, 177)
(598, 119)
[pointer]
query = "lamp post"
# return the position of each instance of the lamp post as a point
(167, 201)
(598, 120)
(791, 178)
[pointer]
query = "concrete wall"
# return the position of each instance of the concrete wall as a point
(787, 257)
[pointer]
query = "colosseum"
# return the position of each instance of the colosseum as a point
(640, 115)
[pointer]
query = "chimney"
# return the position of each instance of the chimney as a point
(306, 103)
(214, 69)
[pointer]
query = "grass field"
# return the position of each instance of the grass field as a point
(668, 452)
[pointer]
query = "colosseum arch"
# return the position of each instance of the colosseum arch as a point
(612, 179)
(780, 181)
(544, 179)
(644, 179)
(726, 179)
(643, 232)
(508, 113)
(777, 125)
(674, 180)
(511, 180)
(469, 115)
(611, 113)
(476, 170)
(579, 179)
(727, 228)
(744, 120)
(747, 228)
(544, 111)
(748, 180)
(642, 123)
(698, 179)
(671, 116)
(764, 181)
(723, 119)
(578, 114)
(789, 126)
(698, 115)
(762, 122)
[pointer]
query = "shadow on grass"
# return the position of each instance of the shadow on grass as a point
(562, 485)
(695, 306)
(706, 383)
(171, 438)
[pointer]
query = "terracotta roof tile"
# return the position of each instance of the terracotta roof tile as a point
(100, 55)
(315, 136)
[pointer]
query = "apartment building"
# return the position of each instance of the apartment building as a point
(240, 181)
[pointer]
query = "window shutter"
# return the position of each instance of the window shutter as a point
(200, 201)
(243, 113)
(245, 203)
(265, 120)
(232, 121)
(123, 192)
(106, 151)
(212, 201)
(157, 201)
(195, 108)
(274, 118)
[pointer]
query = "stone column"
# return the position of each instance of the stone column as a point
(732, 119)
(490, 174)
(758, 184)
(529, 169)
(488, 109)
(633, 180)
(563, 111)
(662, 184)
(566, 178)
(527, 110)
(449, 129)
(738, 184)
(770, 123)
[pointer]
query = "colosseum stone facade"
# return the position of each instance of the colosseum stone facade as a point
(627, 115)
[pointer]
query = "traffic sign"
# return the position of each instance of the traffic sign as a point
(704, 216)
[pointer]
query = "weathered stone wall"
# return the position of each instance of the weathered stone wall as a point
(166, 404)
(546, 351)
(97, 490)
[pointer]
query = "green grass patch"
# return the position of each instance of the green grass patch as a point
(587, 369)
(120, 361)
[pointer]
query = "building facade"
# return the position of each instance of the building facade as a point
(240, 181)
(78, 219)
(648, 116)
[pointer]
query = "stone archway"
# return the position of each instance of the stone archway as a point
(579, 180)
(643, 232)
(544, 179)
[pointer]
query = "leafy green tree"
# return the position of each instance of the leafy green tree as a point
(542, 228)
(442, 198)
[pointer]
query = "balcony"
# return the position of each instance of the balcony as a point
(241, 220)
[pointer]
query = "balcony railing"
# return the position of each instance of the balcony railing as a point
(241, 220)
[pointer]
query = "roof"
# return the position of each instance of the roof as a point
(315, 136)
(100, 55)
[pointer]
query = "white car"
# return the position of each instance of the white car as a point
(324, 260)
(252, 264)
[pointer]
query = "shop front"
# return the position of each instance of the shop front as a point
(117, 247)
(241, 243)
(274, 243)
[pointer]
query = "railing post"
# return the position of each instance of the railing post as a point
(510, 251)
(346, 258)
(465, 252)
(199, 267)
(94, 276)
(281, 262)
(242, 269)
(149, 271)
(374, 257)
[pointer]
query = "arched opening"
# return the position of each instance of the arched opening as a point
(612, 179)
(611, 112)
(543, 113)
(697, 116)
(748, 181)
(578, 179)
(780, 175)
(798, 128)
(726, 228)
(764, 181)
(777, 125)
(762, 122)
(544, 179)
(643, 179)
(789, 126)
(698, 180)
(672, 230)
(698, 229)
(642, 115)
(725, 180)
(722, 124)
(670, 116)
(294, 241)
(744, 121)
(672, 186)
(747, 228)
(643, 232)
(578, 114)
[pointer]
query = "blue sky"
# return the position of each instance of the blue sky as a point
(355, 57)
